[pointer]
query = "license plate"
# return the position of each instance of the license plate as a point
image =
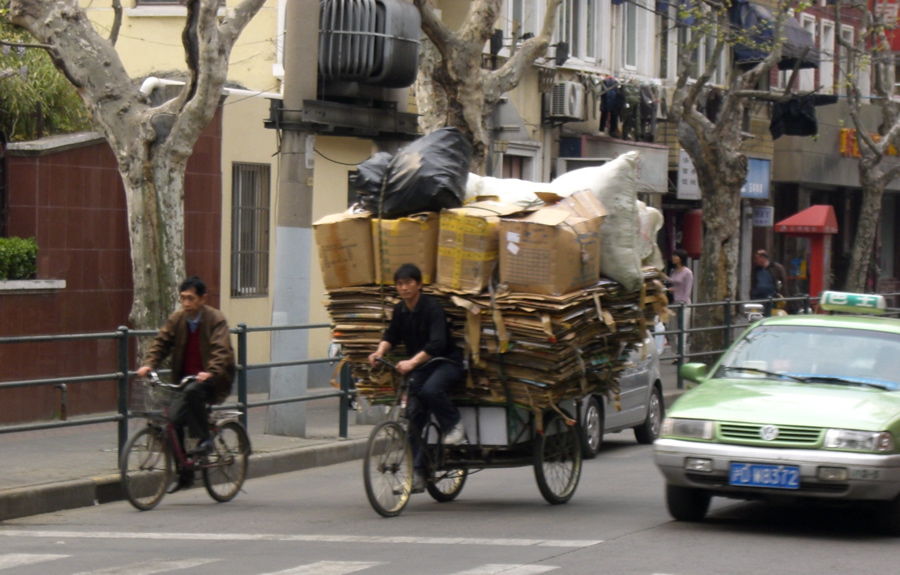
(757, 475)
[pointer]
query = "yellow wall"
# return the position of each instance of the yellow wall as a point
(244, 139)
(150, 42)
(330, 197)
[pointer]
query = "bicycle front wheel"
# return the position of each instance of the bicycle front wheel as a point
(388, 469)
(146, 468)
(225, 469)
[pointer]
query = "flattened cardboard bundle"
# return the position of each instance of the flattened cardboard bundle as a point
(345, 249)
(467, 244)
(408, 240)
(553, 250)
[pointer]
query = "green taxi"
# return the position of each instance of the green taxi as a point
(803, 406)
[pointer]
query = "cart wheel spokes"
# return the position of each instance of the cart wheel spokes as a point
(446, 485)
(557, 459)
(388, 468)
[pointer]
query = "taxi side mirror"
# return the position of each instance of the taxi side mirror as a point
(694, 372)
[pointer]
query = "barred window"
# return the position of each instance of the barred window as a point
(250, 230)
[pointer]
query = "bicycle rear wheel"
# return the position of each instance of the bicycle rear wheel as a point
(146, 468)
(557, 459)
(388, 469)
(225, 470)
(446, 485)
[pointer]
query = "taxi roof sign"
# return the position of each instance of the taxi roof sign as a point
(846, 302)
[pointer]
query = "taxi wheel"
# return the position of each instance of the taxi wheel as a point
(687, 503)
(889, 516)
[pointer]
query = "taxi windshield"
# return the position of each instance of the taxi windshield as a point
(812, 354)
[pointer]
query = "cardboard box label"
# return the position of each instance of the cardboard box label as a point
(468, 244)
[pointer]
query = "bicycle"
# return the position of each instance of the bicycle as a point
(554, 451)
(151, 454)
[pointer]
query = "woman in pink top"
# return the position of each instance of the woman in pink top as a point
(682, 279)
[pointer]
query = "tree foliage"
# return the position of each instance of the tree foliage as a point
(151, 142)
(35, 99)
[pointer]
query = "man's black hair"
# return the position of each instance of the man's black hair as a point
(408, 272)
(194, 283)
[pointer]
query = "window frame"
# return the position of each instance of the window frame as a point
(250, 228)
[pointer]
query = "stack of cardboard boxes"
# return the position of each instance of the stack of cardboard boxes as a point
(560, 330)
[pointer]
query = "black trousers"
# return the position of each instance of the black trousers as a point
(192, 411)
(429, 393)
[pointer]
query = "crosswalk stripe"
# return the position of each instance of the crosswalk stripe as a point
(576, 543)
(328, 568)
(10, 560)
(150, 567)
(493, 568)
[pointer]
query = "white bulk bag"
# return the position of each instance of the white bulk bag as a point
(614, 184)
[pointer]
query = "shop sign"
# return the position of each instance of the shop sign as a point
(849, 145)
(763, 216)
(688, 188)
(757, 184)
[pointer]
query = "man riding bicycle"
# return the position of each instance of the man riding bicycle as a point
(199, 340)
(419, 323)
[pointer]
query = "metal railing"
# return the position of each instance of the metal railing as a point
(122, 375)
(733, 324)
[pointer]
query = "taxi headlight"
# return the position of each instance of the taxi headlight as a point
(693, 428)
(876, 441)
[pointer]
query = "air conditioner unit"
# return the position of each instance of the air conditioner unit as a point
(565, 101)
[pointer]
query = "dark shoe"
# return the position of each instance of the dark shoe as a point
(185, 481)
(205, 447)
(418, 482)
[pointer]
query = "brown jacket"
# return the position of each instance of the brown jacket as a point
(216, 352)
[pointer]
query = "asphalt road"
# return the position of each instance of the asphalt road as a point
(318, 521)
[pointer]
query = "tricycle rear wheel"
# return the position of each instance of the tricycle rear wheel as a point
(557, 459)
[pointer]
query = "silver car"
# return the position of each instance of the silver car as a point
(641, 404)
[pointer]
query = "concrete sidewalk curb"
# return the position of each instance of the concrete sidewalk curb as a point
(52, 497)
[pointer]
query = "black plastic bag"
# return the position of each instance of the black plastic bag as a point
(369, 175)
(428, 175)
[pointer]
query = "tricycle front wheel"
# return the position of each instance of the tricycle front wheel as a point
(557, 459)
(388, 469)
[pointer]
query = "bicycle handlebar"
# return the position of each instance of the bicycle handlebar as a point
(185, 381)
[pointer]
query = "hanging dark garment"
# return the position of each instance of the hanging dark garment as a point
(649, 106)
(797, 116)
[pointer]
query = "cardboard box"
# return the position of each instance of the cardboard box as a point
(409, 240)
(467, 244)
(583, 203)
(345, 249)
(551, 251)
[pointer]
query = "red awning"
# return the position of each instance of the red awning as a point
(812, 220)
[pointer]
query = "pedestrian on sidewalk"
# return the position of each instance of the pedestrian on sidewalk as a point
(198, 339)
(768, 280)
(682, 279)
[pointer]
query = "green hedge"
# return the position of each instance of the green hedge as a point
(18, 258)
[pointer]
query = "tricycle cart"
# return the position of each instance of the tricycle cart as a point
(500, 435)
